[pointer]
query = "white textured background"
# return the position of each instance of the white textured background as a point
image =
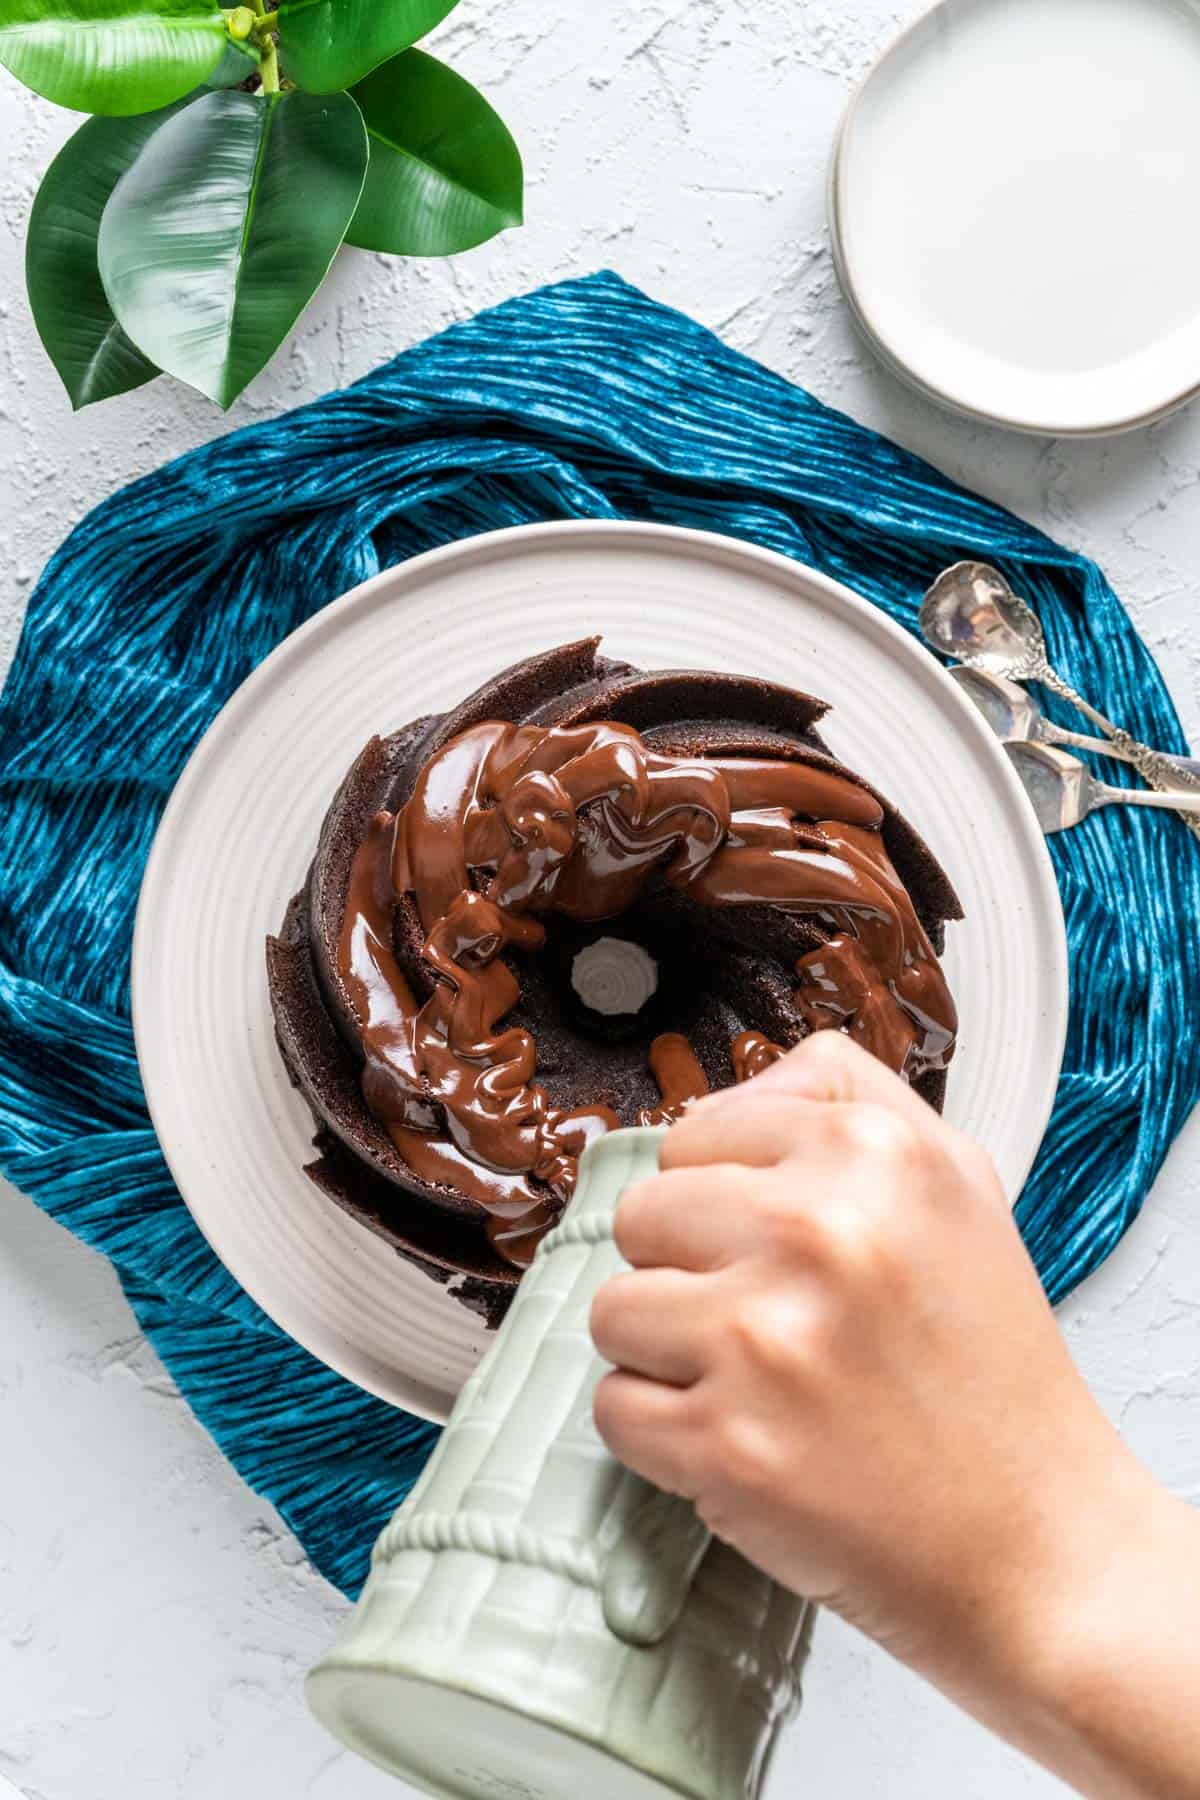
(155, 1617)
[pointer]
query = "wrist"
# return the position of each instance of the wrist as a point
(1097, 1633)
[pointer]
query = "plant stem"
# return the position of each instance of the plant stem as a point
(264, 38)
(269, 67)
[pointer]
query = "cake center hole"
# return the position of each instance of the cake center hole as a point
(614, 976)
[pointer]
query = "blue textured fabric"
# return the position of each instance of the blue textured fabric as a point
(583, 400)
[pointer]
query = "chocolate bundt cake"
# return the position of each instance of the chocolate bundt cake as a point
(580, 900)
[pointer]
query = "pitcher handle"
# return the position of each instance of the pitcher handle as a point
(649, 1571)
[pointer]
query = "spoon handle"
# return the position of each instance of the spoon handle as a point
(1186, 769)
(1057, 734)
(1049, 678)
(1157, 770)
(1187, 804)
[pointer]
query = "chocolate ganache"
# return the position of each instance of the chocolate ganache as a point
(421, 982)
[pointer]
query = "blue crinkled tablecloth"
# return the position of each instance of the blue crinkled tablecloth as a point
(583, 400)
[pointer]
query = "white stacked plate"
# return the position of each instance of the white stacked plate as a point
(1011, 206)
(240, 829)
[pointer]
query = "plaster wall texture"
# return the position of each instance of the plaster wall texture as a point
(155, 1617)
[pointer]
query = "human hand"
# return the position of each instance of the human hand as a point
(834, 1342)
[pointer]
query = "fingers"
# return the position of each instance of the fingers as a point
(695, 1219)
(704, 1219)
(648, 1428)
(650, 1323)
(757, 1132)
(828, 1066)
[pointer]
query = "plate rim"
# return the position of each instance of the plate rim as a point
(411, 573)
(876, 338)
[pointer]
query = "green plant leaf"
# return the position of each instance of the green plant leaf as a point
(325, 45)
(444, 174)
(92, 354)
(70, 309)
(111, 56)
(238, 62)
(213, 243)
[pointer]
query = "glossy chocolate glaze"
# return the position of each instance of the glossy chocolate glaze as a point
(510, 821)
(680, 1077)
(752, 1053)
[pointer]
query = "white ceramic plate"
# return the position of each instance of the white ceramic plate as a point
(1010, 202)
(239, 832)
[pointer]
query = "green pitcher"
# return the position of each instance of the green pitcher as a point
(539, 1623)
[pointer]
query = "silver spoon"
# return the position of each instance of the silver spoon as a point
(1063, 791)
(972, 614)
(1016, 717)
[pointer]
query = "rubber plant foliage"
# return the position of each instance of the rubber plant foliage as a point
(232, 151)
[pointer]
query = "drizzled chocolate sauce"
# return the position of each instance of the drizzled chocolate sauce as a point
(752, 1053)
(509, 821)
(676, 1068)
